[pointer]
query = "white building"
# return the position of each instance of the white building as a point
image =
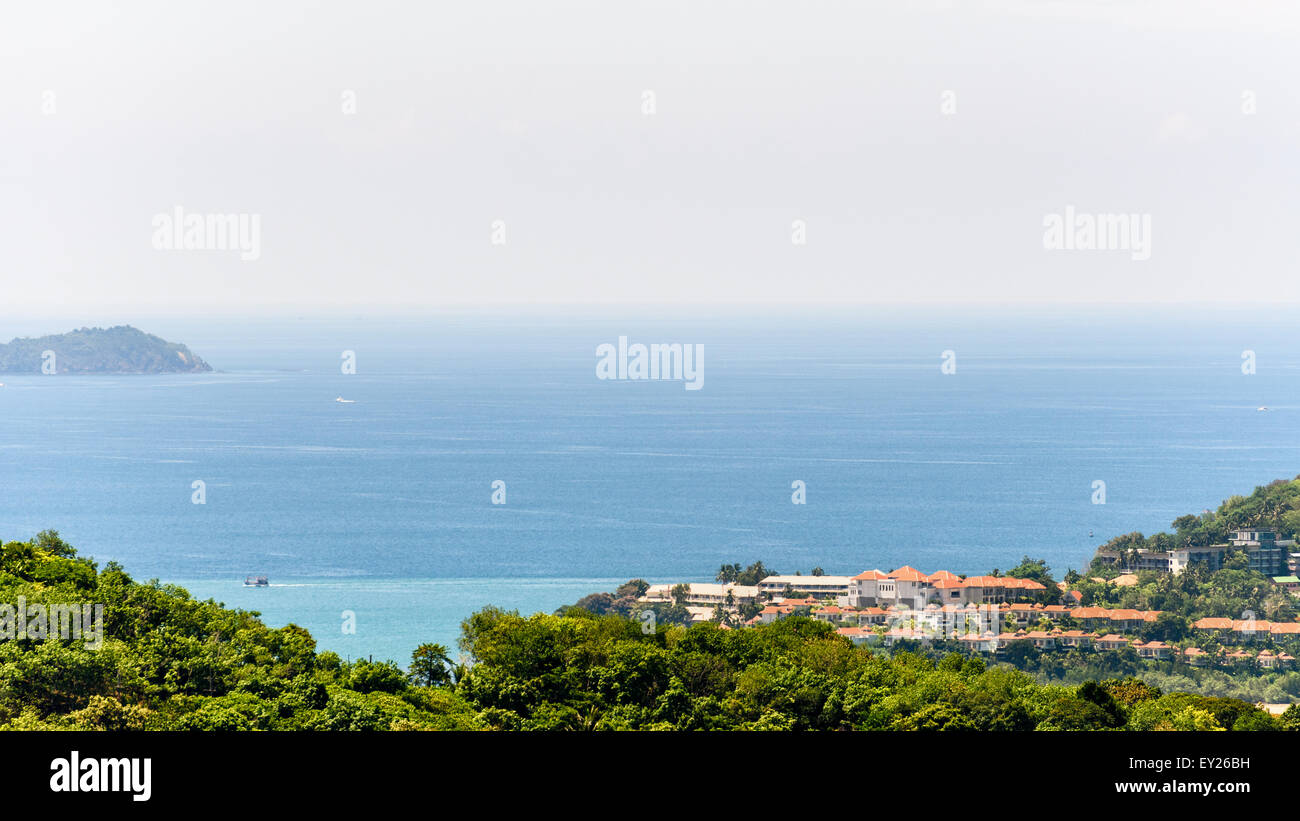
(702, 594)
(817, 586)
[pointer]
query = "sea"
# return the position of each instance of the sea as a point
(479, 459)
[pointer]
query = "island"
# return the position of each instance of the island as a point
(121, 349)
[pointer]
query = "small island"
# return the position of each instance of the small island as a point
(118, 350)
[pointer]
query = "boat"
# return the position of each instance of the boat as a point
(1262, 408)
(256, 581)
(345, 401)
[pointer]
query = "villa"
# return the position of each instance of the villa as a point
(907, 585)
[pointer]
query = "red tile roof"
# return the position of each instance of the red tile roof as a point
(908, 574)
(868, 575)
(1212, 624)
(1090, 613)
(1258, 625)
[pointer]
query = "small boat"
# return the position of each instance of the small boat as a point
(256, 581)
(346, 401)
(1262, 408)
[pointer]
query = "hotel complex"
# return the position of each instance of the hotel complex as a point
(995, 614)
(1265, 553)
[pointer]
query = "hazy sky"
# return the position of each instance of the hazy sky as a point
(534, 114)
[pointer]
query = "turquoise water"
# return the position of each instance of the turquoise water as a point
(384, 506)
(384, 617)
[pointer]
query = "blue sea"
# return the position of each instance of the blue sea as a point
(383, 506)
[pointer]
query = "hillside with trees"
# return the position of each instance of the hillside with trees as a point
(586, 672)
(170, 662)
(1275, 506)
(121, 349)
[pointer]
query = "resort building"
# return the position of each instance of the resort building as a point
(1153, 650)
(705, 594)
(1265, 553)
(821, 587)
(908, 586)
(1290, 584)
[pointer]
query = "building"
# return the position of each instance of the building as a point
(705, 595)
(1112, 642)
(1174, 561)
(1264, 554)
(1076, 638)
(1153, 650)
(980, 642)
(1101, 618)
(908, 586)
(1210, 623)
(859, 635)
(1290, 584)
(1264, 551)
(822, 587)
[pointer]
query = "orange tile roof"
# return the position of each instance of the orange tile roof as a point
(908, 574)
(869, 575)
(1258, 625)
(1028, 584)
(1126, 615)
(1090, 613)
(1212, 624)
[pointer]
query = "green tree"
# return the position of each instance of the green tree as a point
(431, 665)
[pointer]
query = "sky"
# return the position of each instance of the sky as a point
(411, 157)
